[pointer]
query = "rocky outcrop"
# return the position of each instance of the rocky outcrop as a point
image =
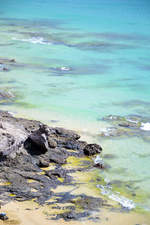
(92, 149)
(83, 207)
(26, 146)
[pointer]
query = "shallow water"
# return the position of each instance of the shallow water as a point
(77, 62)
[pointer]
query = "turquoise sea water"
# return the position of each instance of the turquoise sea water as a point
(80, 61)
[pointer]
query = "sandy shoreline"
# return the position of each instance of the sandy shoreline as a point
(29, 213)
(84, 182)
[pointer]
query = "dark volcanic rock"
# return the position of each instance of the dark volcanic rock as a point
(92, 149)
(81, 207)
(3, 216)
(72, 215)
(67, 133)
(52, 143)
(57, 155)
(36, 144)
(102, 165)
(43, 163)
(75, 145)
(88, 202)
(25, 147)
(57, 172)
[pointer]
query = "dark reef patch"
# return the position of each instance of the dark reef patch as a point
(26, 23)
(127, 126)
(122, 37)
(102, 46)
(145, 67)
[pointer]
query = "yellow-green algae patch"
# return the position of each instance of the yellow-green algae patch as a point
(50, 167)
(31, 181)
(60, 179)
(12, 195)
(74, 162)
(87, 182)
(41, 173)
(5, 183)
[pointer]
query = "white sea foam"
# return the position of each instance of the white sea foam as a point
(106, 179)
(108, 131)
(34, 40)
(145, 126)
(132, 121)
(105, 131)
(64, 68)
(115, 196)
(98, 159)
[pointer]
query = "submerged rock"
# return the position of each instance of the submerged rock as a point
(3, 67)
(6, 97)
(12, 61)
(62, 69)
(6, 94)
(132, 125)
(126, 121)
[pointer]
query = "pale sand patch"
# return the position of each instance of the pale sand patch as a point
(19, 215)
(86, 128)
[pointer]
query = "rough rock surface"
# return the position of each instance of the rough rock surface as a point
(26, 146)
(92, 149)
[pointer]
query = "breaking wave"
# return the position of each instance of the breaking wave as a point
(123, 201)
(34, 40)
(145, 126)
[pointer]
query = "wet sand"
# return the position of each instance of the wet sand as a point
(29, 213)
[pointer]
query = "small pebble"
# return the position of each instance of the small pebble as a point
(3, 216)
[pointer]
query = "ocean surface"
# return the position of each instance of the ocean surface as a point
(77, 63)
